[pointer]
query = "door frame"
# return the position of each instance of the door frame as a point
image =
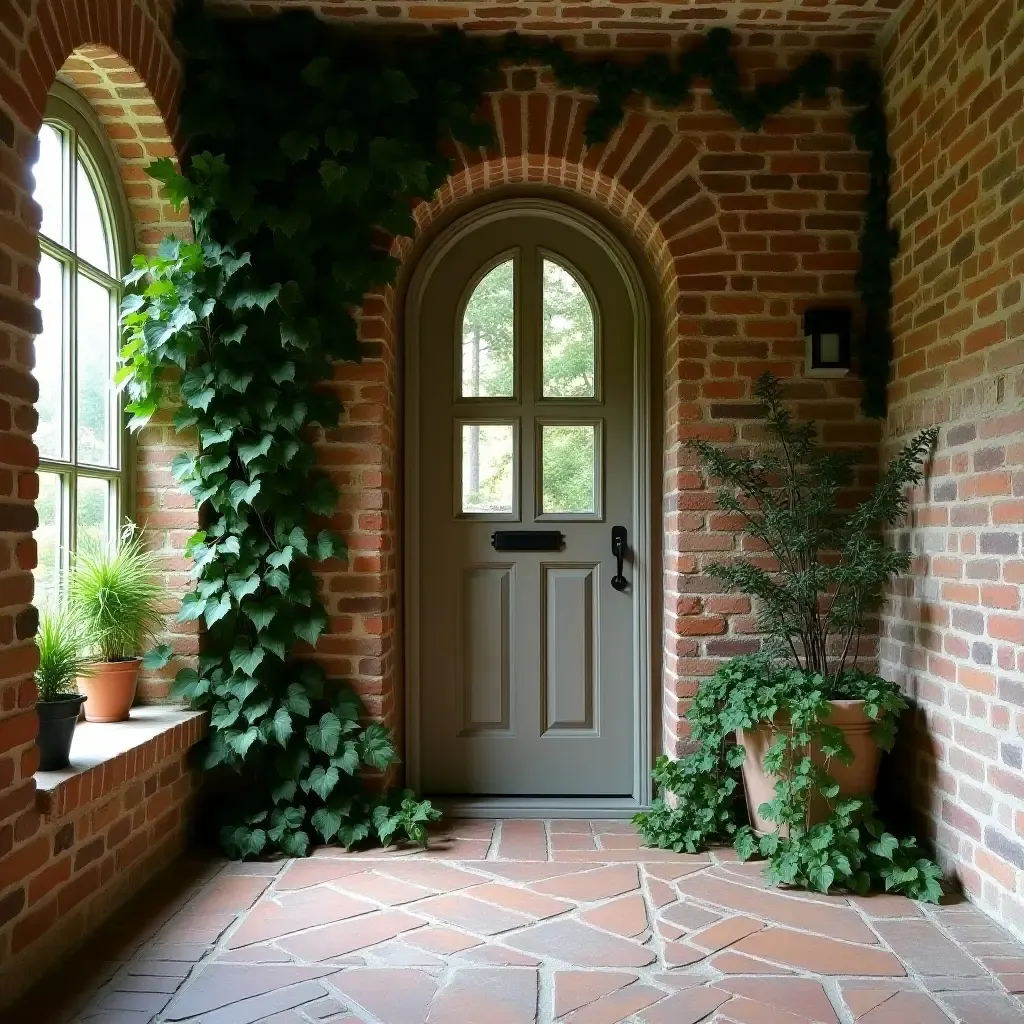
(643, 568)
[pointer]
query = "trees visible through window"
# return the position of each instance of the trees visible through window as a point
(79, 436)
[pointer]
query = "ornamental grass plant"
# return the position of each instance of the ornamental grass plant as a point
(114, 596)
(63, 657)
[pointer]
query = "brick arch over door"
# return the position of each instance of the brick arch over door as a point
(117, 54)
(740, 232)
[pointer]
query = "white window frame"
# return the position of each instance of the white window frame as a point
(86, 141)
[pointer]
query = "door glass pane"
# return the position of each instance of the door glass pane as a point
(488, 336)
(49, 183)
(569, 468)
(95, 369)
(488, 467)
(90, 233)
(92, 513)
(48, 547)
(49, 369)
(570, 340)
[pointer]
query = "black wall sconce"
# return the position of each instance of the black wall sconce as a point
(827, 334)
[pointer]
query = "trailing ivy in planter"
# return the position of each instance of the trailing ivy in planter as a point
(829, 565)
(307, 147)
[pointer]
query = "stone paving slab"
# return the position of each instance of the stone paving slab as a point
(532, 922)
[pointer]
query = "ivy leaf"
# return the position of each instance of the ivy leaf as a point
(259, 614)
(885, 847)
(322, 782)
(311, 628)
(209, 438)
(279, 580)
(247, 660)
(225, 715)
(188, 686)
(216, 610)
(350, 834)
(327, 545)
(296, 700)
(158, 657)
(281, 559)
(243, 588)
(282, 373)
(297, 539)
(234, 335)
(237, 381)
(297, 144)
(239, 491)
(325, 734)
(295, 844)
(326, 822)
(348, 762)
(281, 727)
(248, 298)
(377, 750)
(248, 452)
(240, 742)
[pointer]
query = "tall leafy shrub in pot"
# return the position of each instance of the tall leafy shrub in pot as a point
(804, 721)
(62, 661)
(115, 593)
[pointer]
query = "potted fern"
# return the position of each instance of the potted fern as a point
(62, 661)
(804, 722)
(114, 592)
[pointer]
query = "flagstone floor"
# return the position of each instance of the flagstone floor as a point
(515, 922)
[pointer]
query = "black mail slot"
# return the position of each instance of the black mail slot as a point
(528, 540)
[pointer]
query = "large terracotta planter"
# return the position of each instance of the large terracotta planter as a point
(855, 779)
(110, 689)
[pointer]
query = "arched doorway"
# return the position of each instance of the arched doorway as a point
(527, 471)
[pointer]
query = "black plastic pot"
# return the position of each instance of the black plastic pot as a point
(57, 720)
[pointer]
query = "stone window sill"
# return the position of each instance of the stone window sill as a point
(103, 756)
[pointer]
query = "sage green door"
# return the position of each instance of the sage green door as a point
(526, 646)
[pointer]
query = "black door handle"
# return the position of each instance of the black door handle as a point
(619, 544)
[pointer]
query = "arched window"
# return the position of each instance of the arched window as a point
(83, 242)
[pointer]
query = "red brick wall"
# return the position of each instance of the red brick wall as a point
(84, 847)
(118, 55)
(740, 232)
(954, 630)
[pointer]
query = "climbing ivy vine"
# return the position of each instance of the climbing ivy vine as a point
(306, 150)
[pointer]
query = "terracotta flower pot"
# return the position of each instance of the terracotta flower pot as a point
(110, 689)
(855, 779)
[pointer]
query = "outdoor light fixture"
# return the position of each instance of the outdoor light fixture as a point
(827, 336)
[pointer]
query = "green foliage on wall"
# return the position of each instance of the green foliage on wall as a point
(307, 148)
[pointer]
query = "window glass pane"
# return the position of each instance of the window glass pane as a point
(488, 467)
(49, 188)
(569, 468)
(50, 368)
(90, 231)
(569, 336)
(48, 545)
(488, 336)
(92, 513)
(95, 369)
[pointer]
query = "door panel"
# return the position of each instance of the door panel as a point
(526, 658)
(485, 628)
(570, 645)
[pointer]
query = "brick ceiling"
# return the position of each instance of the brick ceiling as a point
(612, 16)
